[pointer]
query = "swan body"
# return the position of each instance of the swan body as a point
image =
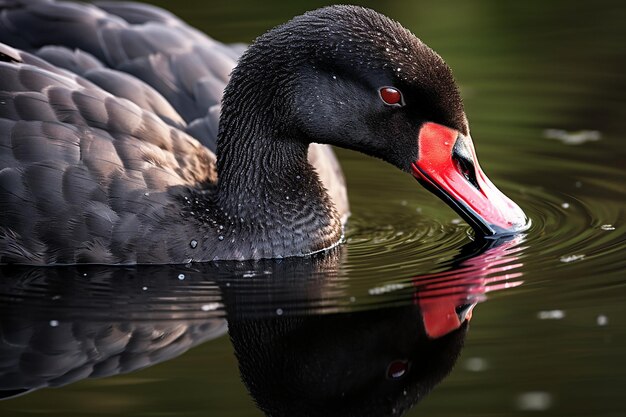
(125, 139)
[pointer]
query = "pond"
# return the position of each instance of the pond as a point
(371, 327)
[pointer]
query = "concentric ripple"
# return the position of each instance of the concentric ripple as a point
(402, 244)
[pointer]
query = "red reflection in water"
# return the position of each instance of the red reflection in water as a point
(447, 298)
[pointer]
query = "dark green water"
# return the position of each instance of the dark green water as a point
(553, 342)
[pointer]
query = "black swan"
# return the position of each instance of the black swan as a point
(110, 150)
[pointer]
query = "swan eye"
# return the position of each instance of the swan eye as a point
(397, 369)
(391, 96)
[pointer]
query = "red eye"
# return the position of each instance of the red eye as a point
(391, 96)
(397, 369)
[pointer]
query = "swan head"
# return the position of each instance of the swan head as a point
(351, 77)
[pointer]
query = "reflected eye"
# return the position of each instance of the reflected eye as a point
(397, 369)
(391, 96)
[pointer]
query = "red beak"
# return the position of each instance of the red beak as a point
(447, 166)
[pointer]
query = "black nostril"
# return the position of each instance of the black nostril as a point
(466, 167)
(462, 157)
(463, 310)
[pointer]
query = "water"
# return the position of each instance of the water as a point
(544, 91)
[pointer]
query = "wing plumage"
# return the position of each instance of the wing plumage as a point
(106, 111)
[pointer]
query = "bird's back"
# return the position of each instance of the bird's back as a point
(108, 114)
(94, 112)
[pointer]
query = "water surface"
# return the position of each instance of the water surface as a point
(544, 91)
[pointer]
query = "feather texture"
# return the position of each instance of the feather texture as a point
(108, 118)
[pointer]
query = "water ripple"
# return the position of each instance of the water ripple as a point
(397, 251)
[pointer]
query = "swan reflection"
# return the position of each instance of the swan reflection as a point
(304, 345)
